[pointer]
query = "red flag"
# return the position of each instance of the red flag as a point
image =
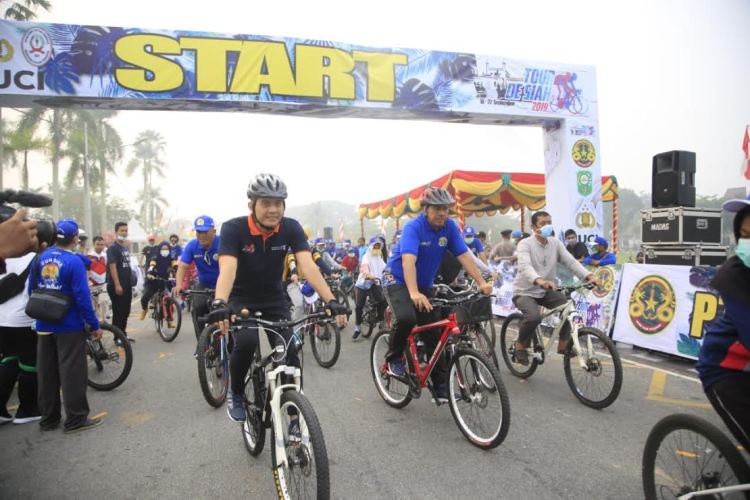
(745, 144)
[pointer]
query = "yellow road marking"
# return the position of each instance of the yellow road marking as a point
(100, 415)
(13, 408)
(163, 355)
(132, 419)
(656, 393)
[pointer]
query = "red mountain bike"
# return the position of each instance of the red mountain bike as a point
(477, 397)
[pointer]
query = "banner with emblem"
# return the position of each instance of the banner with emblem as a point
(666, 308)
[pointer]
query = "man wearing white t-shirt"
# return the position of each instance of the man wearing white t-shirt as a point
(17, 344)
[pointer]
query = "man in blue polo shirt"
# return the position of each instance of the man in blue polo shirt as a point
(601, 257)
(410, 273)
(473, 243)
(204, 252)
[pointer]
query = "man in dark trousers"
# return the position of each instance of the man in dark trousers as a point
(119, 284)
(61, 348)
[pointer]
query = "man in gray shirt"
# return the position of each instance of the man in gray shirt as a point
(505, 249)
(535, 285)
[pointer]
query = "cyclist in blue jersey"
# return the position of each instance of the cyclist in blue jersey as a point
(204, 252)
(252, 252)
(411, 271)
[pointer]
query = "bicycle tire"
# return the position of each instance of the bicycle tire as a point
(253, 430)
(507, 348)
(121, 349)
(208, 361)
(595, 366)
(371, 320)
(330, 331)
(164, 333)
(285, 485)
(476, 400)
(717, 446)
(341, 297)
(382, 380)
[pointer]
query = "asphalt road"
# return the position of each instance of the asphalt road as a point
(161, 440)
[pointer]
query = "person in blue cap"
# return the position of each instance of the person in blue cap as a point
(601, 257)
(724, 359)
(61, 347)
(473, 243)
(516, 235)
(203, 251)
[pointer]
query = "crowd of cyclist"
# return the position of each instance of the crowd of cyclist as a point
(266, 262)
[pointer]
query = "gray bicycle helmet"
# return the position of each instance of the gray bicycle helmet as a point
(436, 196)
(267, 186)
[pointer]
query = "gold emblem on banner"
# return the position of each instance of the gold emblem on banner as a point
(585, 219)
(6, 50)
(584, 153)
(652, 304)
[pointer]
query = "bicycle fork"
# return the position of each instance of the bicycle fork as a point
(275, 404)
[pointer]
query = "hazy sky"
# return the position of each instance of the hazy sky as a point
(670, 75)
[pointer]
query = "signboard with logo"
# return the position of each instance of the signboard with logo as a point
(666, 308)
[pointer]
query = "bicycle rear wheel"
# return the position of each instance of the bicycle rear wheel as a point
(168, 319)
(598, 383)
(394, 392)
(478, 399)
(326, 343)
(109, 359)
(480, 341)
(508, 337)
(213, 380)
(306, 474)
(684, 453)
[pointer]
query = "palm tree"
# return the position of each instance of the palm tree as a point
(153, 204)
(24, 11)
(59, 123)
(108, 153)
(149, 146)
(20, 142)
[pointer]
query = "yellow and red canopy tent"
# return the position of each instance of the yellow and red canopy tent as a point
(483, 193)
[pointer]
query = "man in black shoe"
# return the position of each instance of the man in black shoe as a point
(119, 285)
(252, 250)
(61, 355)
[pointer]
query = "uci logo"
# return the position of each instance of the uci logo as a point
(652, 305)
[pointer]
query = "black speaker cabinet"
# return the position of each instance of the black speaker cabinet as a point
(673, 179)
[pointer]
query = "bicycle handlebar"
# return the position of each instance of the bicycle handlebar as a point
(577, 286)
(239, 322)
(190, 291)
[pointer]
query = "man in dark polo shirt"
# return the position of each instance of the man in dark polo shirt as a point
(252, 250)
(119, 285)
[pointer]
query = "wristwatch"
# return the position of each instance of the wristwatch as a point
(218, 304)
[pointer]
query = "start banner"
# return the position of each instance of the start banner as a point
(666, 308)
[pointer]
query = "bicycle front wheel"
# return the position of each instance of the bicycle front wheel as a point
(393, 391)
(109, 358)
(478, 399)
(253, 432)
(684, 453)
(597, 384)
(212, 373)
(305, 475)
(169, 319)
(326, 343)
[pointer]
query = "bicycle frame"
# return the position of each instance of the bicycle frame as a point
(450, 328)
(565, 311)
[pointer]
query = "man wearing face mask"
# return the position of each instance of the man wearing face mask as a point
(119, 286)
(724, 359)
(576, 248)
(473, 243)
(160, 265)
(534, 286)
(601, 257)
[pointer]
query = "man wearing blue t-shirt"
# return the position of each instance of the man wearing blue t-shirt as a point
(410, 273)
(204, 252)
(473, 243)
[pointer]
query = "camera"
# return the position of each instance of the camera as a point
(46, 232)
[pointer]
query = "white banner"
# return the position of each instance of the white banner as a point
(666, 308)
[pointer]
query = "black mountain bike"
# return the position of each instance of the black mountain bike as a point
(109, 358)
